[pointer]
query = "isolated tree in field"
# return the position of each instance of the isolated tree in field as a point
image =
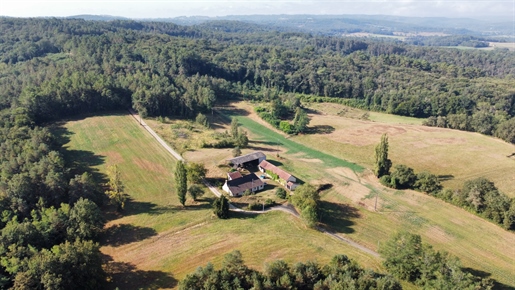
(196, 172)
(234, 128)
(300, 121)
(382, 163)
(306, 198)
(181, 182)
(221, 207)
(115, 190)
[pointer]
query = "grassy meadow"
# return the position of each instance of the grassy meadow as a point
(455, 156)
(156, 242)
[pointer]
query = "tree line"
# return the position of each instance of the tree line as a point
(405, 256)
(340, 273)
(50, 212)
(479, 195)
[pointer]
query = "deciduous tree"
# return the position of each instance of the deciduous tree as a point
(115, 190)
(196, 172)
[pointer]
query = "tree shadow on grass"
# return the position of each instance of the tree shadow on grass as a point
(122, 234)
(445, 177)
(127, 276)
(338, 216)
(483, 274)
(320, 129)
(275, 162)
(79, 161)
(259, 148)
(242, 215)
(272, 143)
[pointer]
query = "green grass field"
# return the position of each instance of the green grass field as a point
(275, 139)
(156, 242)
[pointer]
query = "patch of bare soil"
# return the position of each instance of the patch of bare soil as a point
(149, 166)
(446, 141)
(352, 187)
(310, 160)
(113, 157)
(364, 133)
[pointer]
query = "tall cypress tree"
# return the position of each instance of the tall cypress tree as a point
(181, 182)
(382, 163)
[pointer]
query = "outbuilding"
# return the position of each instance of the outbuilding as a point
(249, 160)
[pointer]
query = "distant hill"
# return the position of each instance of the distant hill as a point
(97, 17)
(377, 24)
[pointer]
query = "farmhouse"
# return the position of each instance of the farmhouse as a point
(237, 186)
(248, 160)
(286, 178)
(234, 175)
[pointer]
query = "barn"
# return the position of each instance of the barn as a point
(284, 177)
(249, 160)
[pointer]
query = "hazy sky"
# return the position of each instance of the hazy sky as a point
(496, 9)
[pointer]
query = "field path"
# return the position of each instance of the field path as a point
(284, 208)
(153, 133)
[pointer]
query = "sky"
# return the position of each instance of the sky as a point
(490, 9)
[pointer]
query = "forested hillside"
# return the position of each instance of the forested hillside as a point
(57, 67)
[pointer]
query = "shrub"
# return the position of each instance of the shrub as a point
(202, 120)
(280, 192)
(286, 127)
(428, 182)
(254, 206)
(403, 177)
(386, 180)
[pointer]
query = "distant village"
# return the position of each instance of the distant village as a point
(238, 184)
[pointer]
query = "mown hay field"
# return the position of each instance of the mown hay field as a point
(455, 156)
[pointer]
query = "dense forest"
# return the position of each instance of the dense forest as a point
(54, 68)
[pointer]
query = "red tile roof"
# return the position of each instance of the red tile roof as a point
(281, 173)
(234, 175)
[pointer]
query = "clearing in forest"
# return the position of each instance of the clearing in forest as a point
(156, 242)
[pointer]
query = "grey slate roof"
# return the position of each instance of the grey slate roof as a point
(243, 183)
(246, 158)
